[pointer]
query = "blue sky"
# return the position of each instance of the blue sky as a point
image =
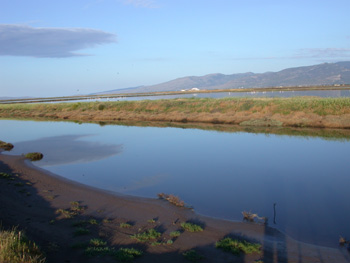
(57, 48)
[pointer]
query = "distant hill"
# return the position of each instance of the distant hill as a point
(322, 74)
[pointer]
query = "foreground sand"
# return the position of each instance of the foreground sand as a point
(30, 201)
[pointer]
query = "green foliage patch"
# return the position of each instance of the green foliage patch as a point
(236, 246)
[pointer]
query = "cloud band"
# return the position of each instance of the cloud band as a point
(20, 40)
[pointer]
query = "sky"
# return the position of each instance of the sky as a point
(63, 48)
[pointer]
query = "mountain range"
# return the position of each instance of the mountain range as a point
(321, 74)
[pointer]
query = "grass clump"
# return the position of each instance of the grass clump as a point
(35, 156)
(97, 242)
(236, 246)
(97, 251)
(125, 225)
(149, 234)
(192, 255)
(175, 200)
(6, 146)
(16, 248)
(6, 176)
(74, 210)
(175, 234)
(191, 227)
(127, 254)
(81, 231)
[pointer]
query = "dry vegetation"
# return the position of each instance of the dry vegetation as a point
(296, 112)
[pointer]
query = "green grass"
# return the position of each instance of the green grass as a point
(6, 176)
(16, 248)
(98, 251)
(97, 242)
(236, 246)
(148, 235)
(191, 227)
(35, 156)
(125, 225)
(175, 234)
(81, 231)
(127, 254)
(204, 105)
(192, 255)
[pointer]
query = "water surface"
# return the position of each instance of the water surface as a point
(220, 173)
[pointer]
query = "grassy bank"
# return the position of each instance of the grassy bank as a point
(296, 112)
(16, 248)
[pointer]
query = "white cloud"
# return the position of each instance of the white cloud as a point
(21, 40)
(323, 53)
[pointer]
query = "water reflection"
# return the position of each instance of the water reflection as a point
(147, 181)
(67, 149)
(221, 170)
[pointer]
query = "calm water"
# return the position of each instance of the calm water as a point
(221, 174)
(272, 94)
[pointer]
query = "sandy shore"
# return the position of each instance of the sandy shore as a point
(32, 198)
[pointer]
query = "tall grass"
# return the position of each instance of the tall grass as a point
(315, 105)
(16, 248)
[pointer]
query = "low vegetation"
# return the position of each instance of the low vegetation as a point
(175, 234)
(16, 248)
(243, 111)
(175, 200)
(191, 227)
(192, 255)
(236, 246)
(35, 156)
(74, 210)
(125, 225)
(127, 254)
(250, 217)
(147, 235)
(6, 146)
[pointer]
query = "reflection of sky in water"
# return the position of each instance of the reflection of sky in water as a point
(219, 173)
(66, 149)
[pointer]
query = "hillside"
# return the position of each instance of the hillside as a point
(321, 74)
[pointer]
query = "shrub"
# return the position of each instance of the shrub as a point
(192, 255)
(6, 146)
(237, 246)
(125, 225)
(35, 156)
(191, 227)
(81, 231)
(127, 254)
(175, 200)
(16, 248)
(147, 235)
(175, 234)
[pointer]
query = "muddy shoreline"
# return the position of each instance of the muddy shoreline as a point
(33, 197)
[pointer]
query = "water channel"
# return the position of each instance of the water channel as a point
(220, 173)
